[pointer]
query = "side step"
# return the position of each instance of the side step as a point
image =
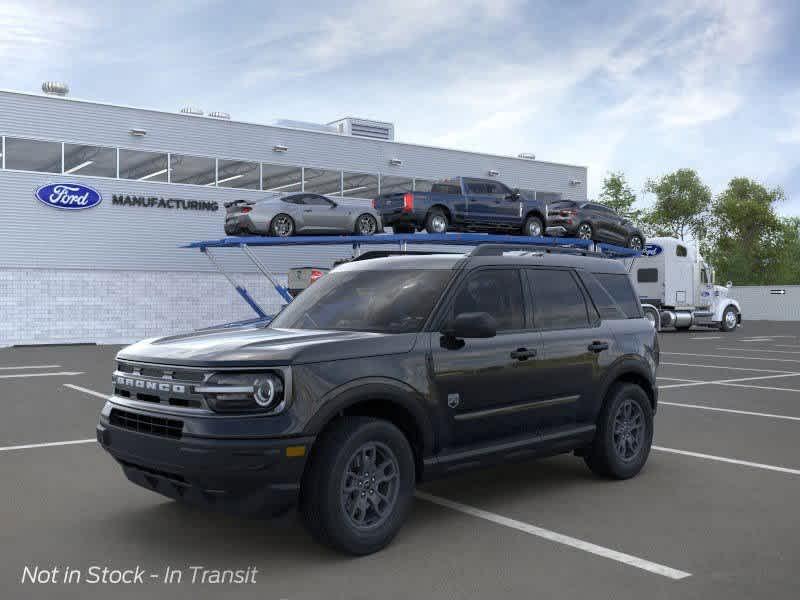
(553, 442)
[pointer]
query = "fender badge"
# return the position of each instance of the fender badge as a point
(453, 400)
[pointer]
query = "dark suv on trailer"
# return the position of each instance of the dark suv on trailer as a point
(385, 373)
(593, 221)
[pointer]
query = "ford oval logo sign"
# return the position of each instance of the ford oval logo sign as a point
(652, 250)
(68, 196)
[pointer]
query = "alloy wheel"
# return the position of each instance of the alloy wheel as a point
(730, 319)
(370, 485)
(628, 430)
(534, 228)
(366, 225)
(439, 224)
(585, 231)
(635, 243)
(282, 226)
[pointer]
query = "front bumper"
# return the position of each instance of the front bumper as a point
(245, 476)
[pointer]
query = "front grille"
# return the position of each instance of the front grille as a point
(171, 428)
(162, 384)
(175, 373)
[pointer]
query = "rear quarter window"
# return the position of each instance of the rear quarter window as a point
(445, 188)
(619, 287)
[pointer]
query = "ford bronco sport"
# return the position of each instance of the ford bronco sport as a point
(386, 373)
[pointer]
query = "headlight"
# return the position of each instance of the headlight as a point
(244, 392)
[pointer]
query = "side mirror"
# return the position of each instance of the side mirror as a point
(471, 325)
(729, 285)
(333, 204)
(514, 195)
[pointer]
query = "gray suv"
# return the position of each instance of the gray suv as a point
(385, 373)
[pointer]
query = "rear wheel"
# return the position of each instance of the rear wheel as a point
(436, 222)
(366, 224)
(730, 319)
(359, 486)
(282, 225)
(585, 231)
(624, 433)
(533, 227)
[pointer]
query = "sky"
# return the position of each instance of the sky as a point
(639, 87)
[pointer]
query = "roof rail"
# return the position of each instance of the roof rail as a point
(500, 249)
(386, 253)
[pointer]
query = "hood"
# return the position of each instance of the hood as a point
(250, 345)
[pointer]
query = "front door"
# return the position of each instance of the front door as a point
(504, 208)
(484, 387)
(321, 214)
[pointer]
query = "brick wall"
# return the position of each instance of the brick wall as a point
(40, 306)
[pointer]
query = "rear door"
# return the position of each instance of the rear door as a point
(575, 344)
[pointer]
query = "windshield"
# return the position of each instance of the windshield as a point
(391, 301)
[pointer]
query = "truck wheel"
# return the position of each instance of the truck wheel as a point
(585, 231)
(635, 242)
(436, 222)
(652, 315)
(730, 319)
(533, 227)
(359, 486)
(624, 433)
(282, 225)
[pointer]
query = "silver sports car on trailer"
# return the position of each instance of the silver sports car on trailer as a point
(283, 215)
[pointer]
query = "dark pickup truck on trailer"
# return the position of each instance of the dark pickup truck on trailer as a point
(385, 373)
(464, 204)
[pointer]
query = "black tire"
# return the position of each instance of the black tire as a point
(405, 228)
(433, 221)
(534, 227)
(729, 323)
(583, 228)
(604, 457)
(322, 497)
(361, 227)
(636, 242)
(276, 225)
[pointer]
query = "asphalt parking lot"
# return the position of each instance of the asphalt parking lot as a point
(713, 515)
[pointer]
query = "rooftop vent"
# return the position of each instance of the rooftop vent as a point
(376, 130)
(303, 125)
(527, 155)
(216, 114)
(55, 88)
(192, 110)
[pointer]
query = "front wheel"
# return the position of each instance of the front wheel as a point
(359, 485)
(730, 319)
(533, 227)
(624, 433)
(366, 224)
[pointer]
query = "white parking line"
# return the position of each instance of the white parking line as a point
(674, 364)
(18, 375)
(30, 367)
(86, 391)
(713, 337)
(676, 379)
(794, 360)
(760, 350)
(733, 461)
(726, 381)
(47, 445)
(560, 538)
(731, 410)
(760, 387)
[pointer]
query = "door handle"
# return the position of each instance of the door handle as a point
(598, 346)
(308, 210)
(523, 354)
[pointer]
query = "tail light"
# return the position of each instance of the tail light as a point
(374, 203)
(565, 213)
(408, 202)
(246, 209)
(315, 274)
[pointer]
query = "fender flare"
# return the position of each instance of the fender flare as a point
(627, 366)
(384, 389)
(723, 305)
(652, 308)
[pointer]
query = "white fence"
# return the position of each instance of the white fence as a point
(768, 302)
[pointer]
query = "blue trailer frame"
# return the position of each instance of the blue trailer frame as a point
(401, 240)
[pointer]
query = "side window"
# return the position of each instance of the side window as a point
(295, 199)
(703, 276)
(317, 200)
(621, 290)
(494, 291)
(680, 251)
(647, 275)
(558, 301)
(474, 187)
(491, 188)
(605, 304)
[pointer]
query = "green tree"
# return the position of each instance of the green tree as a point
(681, 205)
(618, 195)
(749, 243)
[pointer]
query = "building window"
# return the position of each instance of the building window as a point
(280, 178)
(360, 185)
(33, 155)
(144, 166)
(323, 181)
(238, 174)
(90, 160)
(195, 170)
(396, 185)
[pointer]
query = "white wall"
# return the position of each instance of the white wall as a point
(759, 303)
